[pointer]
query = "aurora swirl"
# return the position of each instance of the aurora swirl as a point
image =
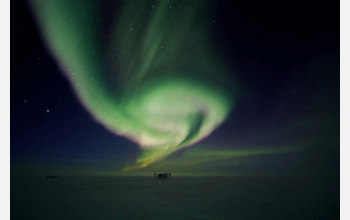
(153, 76)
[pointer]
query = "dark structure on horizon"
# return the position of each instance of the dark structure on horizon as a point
(51, 177)
(162, 176)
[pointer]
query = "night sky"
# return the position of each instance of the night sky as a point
(262, 81)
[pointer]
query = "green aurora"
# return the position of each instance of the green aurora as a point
(154, 76)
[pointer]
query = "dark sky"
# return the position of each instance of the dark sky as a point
(285, 56)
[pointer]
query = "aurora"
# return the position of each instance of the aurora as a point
(150, 72)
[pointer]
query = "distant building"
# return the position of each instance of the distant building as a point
(51, 177)
(162, 176)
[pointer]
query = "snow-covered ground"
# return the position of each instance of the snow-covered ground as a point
(178, 198)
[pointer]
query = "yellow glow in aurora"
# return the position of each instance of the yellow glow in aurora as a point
(153, 76)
